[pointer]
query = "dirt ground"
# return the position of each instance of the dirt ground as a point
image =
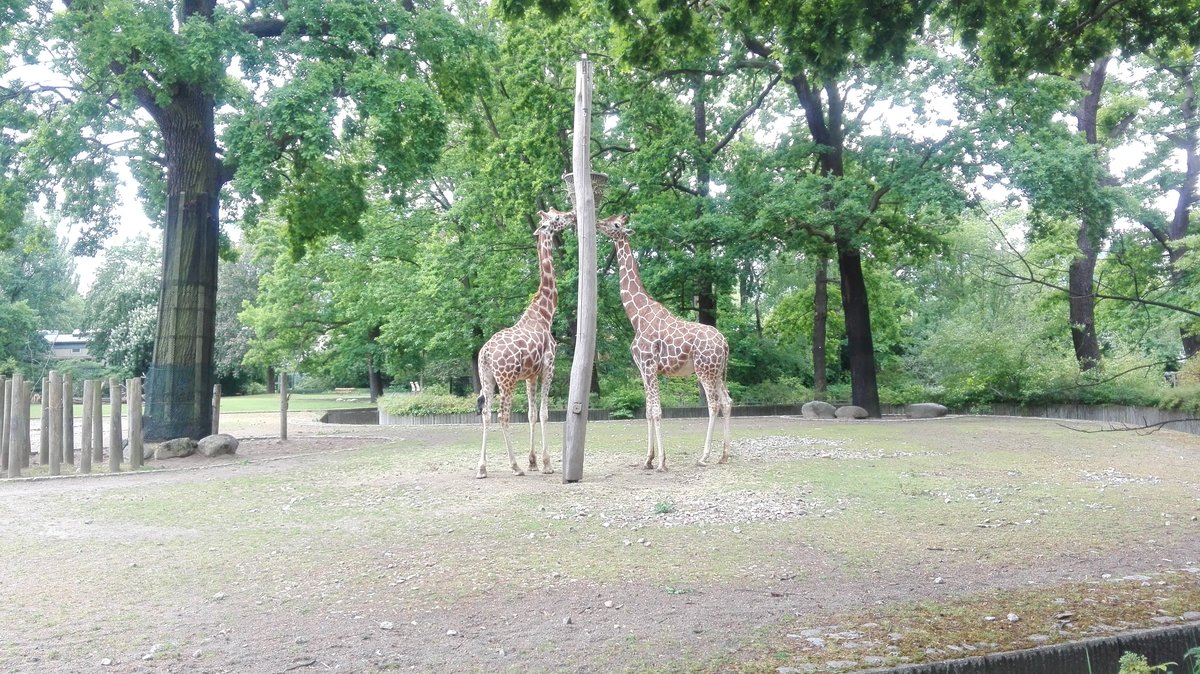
(364, 548)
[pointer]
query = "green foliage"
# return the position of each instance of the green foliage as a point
(122, 307)
(624, 402)
(426, 403)
(1133, 663)
(664, 507)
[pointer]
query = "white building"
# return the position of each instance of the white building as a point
(67, 346)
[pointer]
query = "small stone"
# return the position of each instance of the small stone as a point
(301, 640)
(1013, 617)
(387, 625)
(608, 604)
(1165, 619)
(989, 618)
(938, 581)
(218, 596)
(874, 660)
(841, 664)
(567, 620)
(816, 641)
(196, 653)
(451, 633)
(1039, 638)
(106, 662)
(1191, 615)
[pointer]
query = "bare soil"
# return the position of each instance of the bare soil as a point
(823, 546)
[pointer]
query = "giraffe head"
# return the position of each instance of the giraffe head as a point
(615, 227)
(553, 222)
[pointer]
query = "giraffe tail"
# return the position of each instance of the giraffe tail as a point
(479, 404)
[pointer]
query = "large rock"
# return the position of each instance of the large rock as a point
(216, 445)
(851, 412)
(817, 409)
(175, 449)
(926, 410)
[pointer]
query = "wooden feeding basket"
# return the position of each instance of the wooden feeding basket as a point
(599, 181)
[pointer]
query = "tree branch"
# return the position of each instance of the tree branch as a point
(750, 110)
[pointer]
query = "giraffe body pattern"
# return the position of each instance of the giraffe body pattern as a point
(524, 352)
(667, 345)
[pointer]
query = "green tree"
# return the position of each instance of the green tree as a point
(122, 305)
(328, 96)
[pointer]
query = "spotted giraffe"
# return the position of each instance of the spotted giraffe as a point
(664, 344)
(524, 352)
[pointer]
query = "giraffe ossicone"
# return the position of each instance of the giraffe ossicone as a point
(668, 345)
(525, 352)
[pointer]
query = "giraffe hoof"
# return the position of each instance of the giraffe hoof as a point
(649, 465)
(701, 462)
(517, 471)
(662, 469)
(481, 474)
(547, 470)
(724, 459)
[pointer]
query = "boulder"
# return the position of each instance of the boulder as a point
(926, 410)
(175, 448)
(216, 445)
(817, 409)
(851, 412)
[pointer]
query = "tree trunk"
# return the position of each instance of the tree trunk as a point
(864, 390)
(1181, 221)
(181, 376)
(706, 296)
(1082, 302)
(820, 322)
(374, 379)
(1081, 273)
(270, 379)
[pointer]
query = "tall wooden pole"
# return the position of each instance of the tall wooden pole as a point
(283, 405)
(575, 429)
(56, 419)
(85, 429)
(116, 450)
(16, 393)
(68, 418)
(26, 415)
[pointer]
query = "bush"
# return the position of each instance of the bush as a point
(783, 391)
(425, 403)
(624, 402)
(251, 388)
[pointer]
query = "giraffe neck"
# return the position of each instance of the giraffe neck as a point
(634, 297)
(540, 313)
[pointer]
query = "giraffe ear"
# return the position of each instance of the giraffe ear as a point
(542, 214)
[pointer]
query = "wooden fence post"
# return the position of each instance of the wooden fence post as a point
(68, 418)
(15, 391)
(18, 441)
(134, 386)
(85, 429)
(26, 415)
(56, 420)
(575, 428)
(116, 452)
(97, 403)
(216, 409)
(5, 417)
(283, 405)
(44, 429)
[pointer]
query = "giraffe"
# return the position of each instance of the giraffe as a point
(664, 344)
(524, 352)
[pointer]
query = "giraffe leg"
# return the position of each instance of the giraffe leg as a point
(662, 451)
(653, 412)
(713, 394)
(547, 377)
(485, 415)
(726, 410)
(530, 385)
(506, 395)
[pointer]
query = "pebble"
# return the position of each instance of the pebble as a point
(798, 669)
(106, 662)
(1013, 617)
(1191, 615)
(387, 625)
(567, 620)
(219, 596)
(451, 633)
(1039, 638)
(874, 660)
(841, 664)
(196, 653)
(816, 641)
(608, 604)
(938, 581)
(1165, 619)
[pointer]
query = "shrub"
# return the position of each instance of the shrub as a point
(624, 402)
(425, 403)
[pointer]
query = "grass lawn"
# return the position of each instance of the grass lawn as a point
(263, 402)
(876, 543)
